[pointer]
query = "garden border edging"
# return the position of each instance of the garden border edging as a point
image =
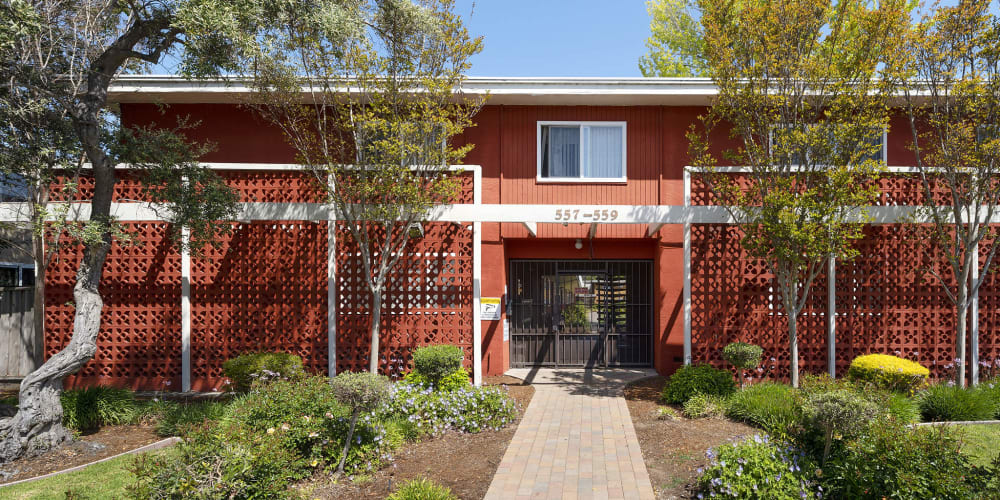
(957, 422)
(163, 443)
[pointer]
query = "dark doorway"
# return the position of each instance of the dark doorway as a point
(581, 313)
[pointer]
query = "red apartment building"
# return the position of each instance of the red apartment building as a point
(580, 239)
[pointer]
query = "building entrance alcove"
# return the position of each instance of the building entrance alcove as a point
(591, 313)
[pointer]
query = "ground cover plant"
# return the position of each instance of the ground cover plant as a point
(245, 369)
(758, 468)
(284, 431)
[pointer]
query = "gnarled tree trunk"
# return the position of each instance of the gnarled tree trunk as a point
(37, 426)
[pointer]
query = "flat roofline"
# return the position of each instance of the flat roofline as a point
(593, 91)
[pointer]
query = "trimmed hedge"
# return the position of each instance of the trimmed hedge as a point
(888, 372)
(694, 379)
(437, 361)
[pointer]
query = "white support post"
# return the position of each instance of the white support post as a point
(687, 271)
(831, 316)
(974, 315)
(185, 310)
(477, 276)
(331, 287)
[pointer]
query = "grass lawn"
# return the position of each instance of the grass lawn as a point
(104, 480)
(982, 442)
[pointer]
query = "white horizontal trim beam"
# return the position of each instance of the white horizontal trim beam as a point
(278, 166)
(528, 215)
(893, 169)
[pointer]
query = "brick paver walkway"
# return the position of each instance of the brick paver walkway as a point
(576, 440)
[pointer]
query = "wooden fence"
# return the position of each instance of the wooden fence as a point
(17, 332)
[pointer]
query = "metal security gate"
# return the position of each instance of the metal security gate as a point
(581, 313)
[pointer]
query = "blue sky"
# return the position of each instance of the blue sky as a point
(557, 37)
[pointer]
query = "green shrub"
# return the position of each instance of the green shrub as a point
(219, 463)
(769, 406)
(456, 380)
(437, 361)
(473, 409)
(174, 419)
(944, 402)
(892, 461)
(743, 356)
(245, 369)
(841, 411)
(93, 407)
(704, 406)
(692, 379)
(888, 372)
(422, 489)
(757, 469)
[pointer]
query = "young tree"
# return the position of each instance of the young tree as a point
(799, 89)
(57, 60)
(954, 108)
(675, 43)
(381, 104)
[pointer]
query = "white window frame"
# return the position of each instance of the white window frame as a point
(885, 145)
(581, 179)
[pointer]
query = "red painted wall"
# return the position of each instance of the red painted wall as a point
(240, 308)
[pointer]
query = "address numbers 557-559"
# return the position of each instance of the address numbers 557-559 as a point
(595, 215)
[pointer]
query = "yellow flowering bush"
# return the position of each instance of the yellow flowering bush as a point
(888, 372)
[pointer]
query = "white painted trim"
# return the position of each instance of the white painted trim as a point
(331, 288)
(974, 321)
(687, 272)
(529, 215)
(281, 166)
(893, 169)
(185, 310)
(501, 90)
(653, 228)
(831, 317)
(581, 179)
(532, 228)
(592, 232)
(477, 280)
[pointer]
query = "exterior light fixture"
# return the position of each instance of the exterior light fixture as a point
(416, 230)
(578, 244)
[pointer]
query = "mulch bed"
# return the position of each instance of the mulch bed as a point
(463, 462)
(674, 449)
(108, 441)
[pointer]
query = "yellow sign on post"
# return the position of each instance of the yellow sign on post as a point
(489, 308)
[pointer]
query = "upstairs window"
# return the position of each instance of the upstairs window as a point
(876, 141)
(581, 151)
